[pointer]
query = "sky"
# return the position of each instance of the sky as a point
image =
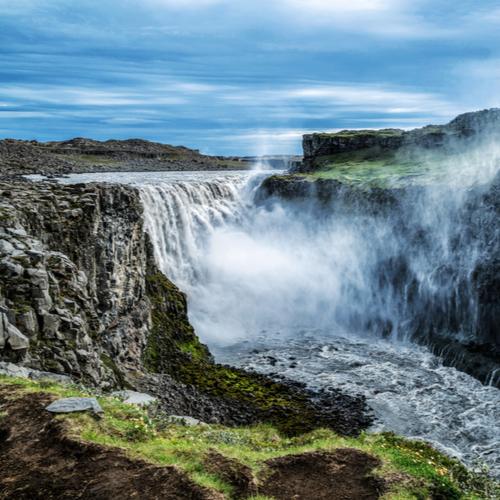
(241, 77)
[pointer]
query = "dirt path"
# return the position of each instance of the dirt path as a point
(344, 474)
(39, 461)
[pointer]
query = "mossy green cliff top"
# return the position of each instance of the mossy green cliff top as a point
(394, 157)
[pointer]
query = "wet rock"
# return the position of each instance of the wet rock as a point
(6, 247)
(16, 339)
(39, 278)
(11, 336)
(10, 269)
(51, 324)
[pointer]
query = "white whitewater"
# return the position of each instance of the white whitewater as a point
(181, 217)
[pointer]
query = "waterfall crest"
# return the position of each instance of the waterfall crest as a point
(181, 216)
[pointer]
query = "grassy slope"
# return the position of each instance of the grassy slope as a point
(378, 168)
(413, 469)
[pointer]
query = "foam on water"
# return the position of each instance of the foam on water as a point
(408, 389)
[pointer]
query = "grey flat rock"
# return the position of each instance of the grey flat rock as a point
(55, 377)
(134, 398)
(70, 405)
(13, 370)
(184, 420)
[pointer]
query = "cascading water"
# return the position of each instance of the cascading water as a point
(334, 297)
(181, 217)
(294, 284)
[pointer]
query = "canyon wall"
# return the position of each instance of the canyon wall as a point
(465, 127)
(75, 263)
(432, 273)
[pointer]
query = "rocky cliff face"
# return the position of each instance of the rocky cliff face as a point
(462, 128)
(73, 296)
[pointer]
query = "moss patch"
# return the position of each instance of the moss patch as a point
(173, 348)
(172, 341)
(384, 168)
(386, 132)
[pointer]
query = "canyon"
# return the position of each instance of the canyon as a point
(293, 279)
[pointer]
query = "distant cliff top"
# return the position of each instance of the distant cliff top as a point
(462, 127)
(19, 157)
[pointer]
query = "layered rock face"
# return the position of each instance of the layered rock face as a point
(464, 127)
(73, 297)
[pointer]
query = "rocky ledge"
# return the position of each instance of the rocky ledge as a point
(464, 129)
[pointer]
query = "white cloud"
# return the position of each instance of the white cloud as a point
(382, 18)
(86, 96)
(24, 114)
(321, 97)
(341, 6)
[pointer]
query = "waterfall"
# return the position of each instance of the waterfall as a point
(413, 271)
(181, 216)
(337, 295)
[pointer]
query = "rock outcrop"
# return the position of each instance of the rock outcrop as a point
(463, 128)
(73, 293)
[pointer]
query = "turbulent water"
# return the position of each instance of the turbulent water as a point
(408, 389)
(287, 289)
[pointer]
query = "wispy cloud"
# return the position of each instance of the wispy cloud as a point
(224, 75)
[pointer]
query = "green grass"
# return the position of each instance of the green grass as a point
(375, 168)
(421, 471)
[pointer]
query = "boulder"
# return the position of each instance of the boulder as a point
(134, 398)
(16, 339)
(13, 370)
(53, 377)
(71, 405)
(184, 420)
(10, 335)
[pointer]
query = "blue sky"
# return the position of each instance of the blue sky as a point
(241, 77)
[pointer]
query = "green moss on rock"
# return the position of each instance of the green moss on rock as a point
(172, 340)
(174, 348)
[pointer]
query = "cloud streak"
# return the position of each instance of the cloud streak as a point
(219, 74)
